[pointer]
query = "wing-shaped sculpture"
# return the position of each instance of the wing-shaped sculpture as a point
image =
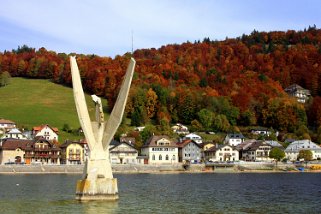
(116, 115)
(81, 105)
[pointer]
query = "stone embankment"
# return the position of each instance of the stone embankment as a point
(175, 168)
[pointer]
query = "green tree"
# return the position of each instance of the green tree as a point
(205, 117)
(221, 123)
(148, 131)
(277, 154)
(306, 155)
(4, 78)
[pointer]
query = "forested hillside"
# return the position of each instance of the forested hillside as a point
(213, 85)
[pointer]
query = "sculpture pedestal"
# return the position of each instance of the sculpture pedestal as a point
(98, 189)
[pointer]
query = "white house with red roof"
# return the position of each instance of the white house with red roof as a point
(45, 131)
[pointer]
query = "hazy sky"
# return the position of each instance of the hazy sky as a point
(104, 27)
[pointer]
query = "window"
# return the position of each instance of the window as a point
(153, 157)
(173, 157)
(166, 158)
(160, 157)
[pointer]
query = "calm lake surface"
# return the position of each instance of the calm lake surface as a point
(168, 193)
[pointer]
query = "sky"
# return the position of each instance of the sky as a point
(108, 27)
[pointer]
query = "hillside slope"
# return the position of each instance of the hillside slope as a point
(32, 102)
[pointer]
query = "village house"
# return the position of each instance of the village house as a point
(180, 129)
(6, 125)
(194, 137)
(301, 94)
(73, 152)
(14, 134)
(292, 151)
(159, 149)
(222, 152)
(261, 131)
(122, 153)
(234, 139)
(41, 150)
(189, 151)
(13, 151)
(257, 151)
(45, 131)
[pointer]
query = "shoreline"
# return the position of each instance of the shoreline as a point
(149, 169)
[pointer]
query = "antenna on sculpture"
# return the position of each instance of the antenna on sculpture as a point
(132, 42)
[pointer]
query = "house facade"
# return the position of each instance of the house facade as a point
(257, 151)
(223, 152)
(159, 149)
(45, 131)
(13, 151)
(292, 151)
(73, 152)
(234, 139)
(261, 131)
(189, 151)
(15, 134)
(301, 94)
(41, 150)
(123, 153)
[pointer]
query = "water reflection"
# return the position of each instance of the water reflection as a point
(94, 207)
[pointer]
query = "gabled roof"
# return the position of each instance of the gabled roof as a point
(153, 139)
(120, 143)
(13, 144)
(217, 147)
(68, 142)
(4, 121)
(186, 142)
(53, 145)
(14, 131)
(39, 128)
(235, 135)
(255, 145)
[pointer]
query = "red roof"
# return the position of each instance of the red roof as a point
(39, 128)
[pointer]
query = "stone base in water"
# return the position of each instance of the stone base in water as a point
(99, 189)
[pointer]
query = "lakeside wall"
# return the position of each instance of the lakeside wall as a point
(139, 168)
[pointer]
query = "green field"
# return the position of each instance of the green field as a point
(32, 102)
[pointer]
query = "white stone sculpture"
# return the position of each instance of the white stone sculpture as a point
(98, 182)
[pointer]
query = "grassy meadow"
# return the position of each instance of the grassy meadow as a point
(32, 102)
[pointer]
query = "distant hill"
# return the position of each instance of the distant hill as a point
(32, 102)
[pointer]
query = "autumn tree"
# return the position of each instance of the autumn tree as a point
(277, 154)
(4, 78)
(151, 103)
(307, 155)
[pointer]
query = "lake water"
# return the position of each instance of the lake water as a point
(168, 193)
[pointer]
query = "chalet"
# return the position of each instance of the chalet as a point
(6, 125)
(159, 149)
(301, 94)
(73, 152)
(223, 152)
(180, 129)
(292, 151)
(234, 139)
(194, 137)
(13, 150)
(257, 151)
(45, 131)
(41, 150)
(123, 153)
(189, 151)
